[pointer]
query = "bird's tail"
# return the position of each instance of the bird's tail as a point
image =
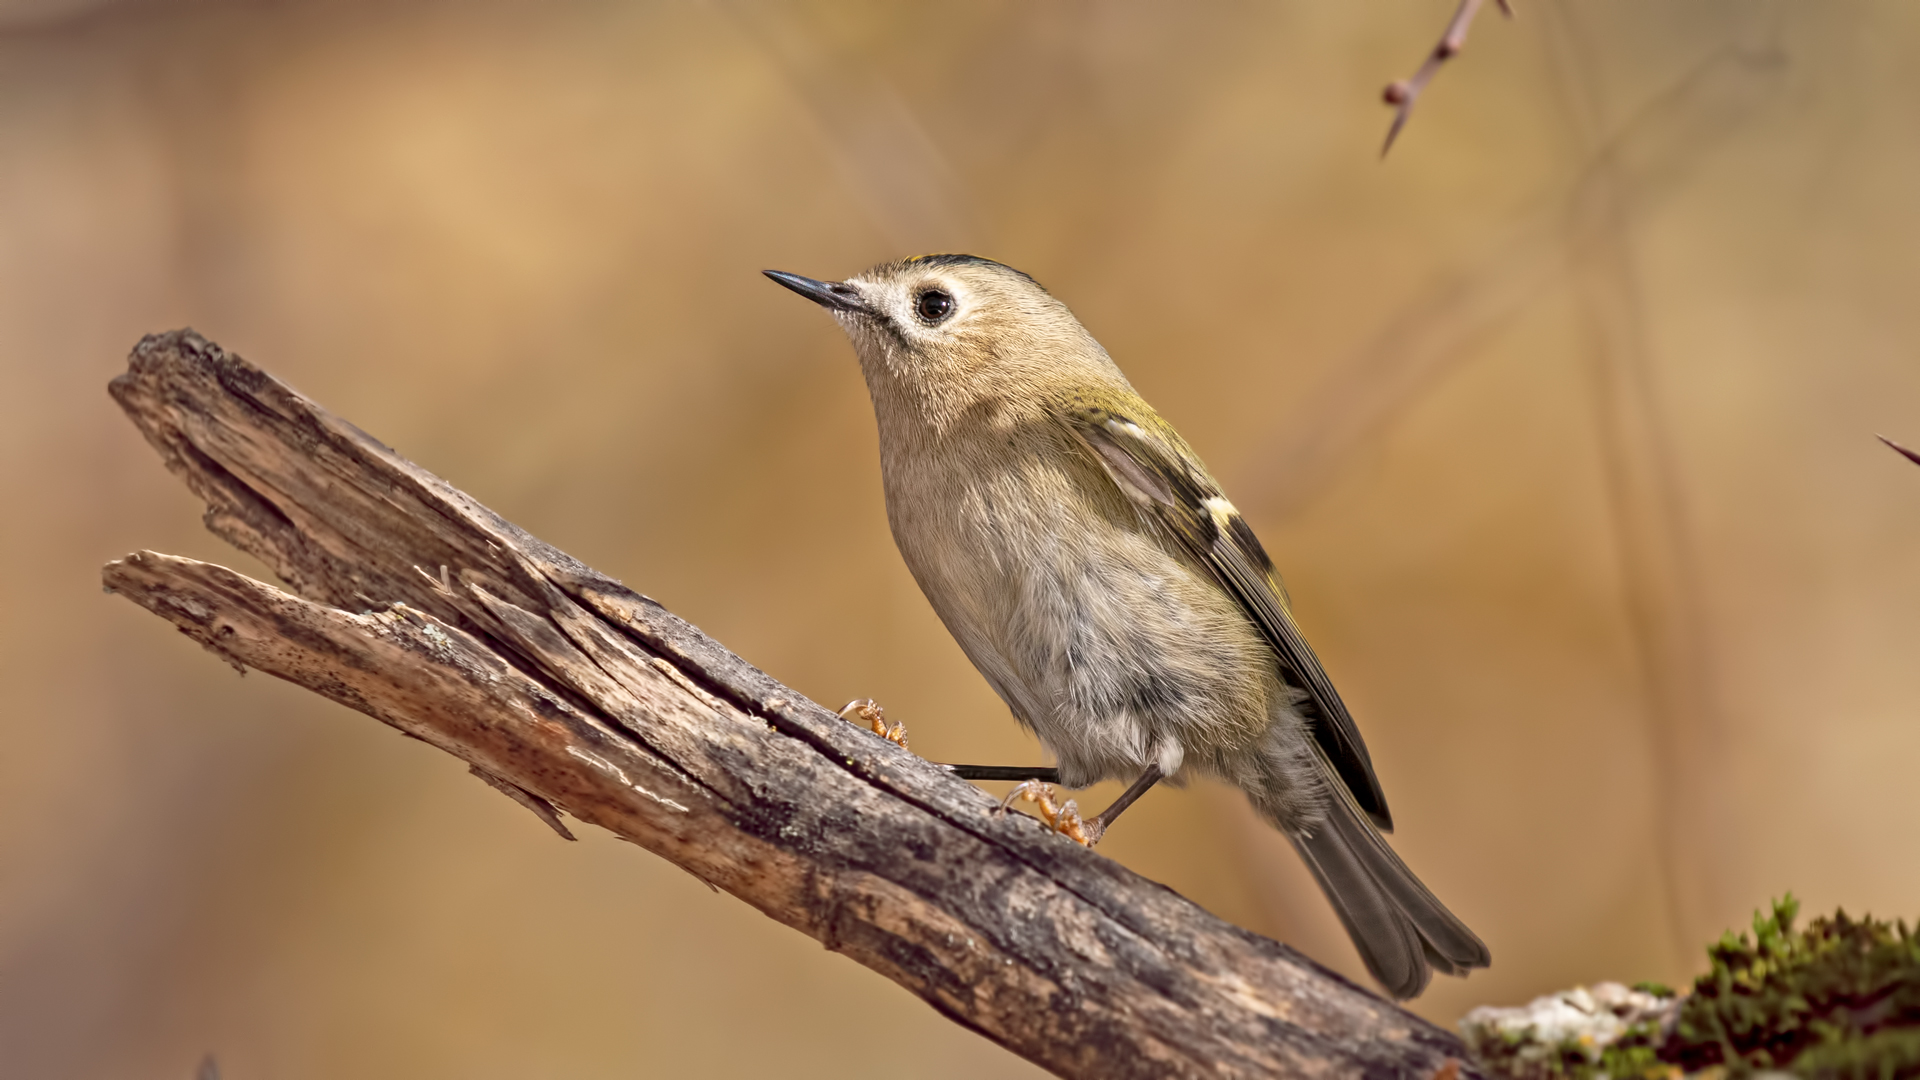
(1403, 932)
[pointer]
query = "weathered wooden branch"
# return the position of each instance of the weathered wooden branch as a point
(412, 603)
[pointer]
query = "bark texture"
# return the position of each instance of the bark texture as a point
(410, 602)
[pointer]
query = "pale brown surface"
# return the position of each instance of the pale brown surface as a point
(565, 689)
(522, 244)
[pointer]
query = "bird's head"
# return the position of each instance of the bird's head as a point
(944, 332)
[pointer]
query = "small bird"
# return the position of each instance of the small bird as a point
(1093, 572)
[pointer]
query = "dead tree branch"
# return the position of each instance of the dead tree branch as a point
(1402, 93)
(414, 604)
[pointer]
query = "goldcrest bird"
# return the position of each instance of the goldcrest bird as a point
(1086, 563)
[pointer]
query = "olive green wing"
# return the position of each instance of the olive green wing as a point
(1149, 463)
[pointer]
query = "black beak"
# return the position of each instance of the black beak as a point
(832, 295)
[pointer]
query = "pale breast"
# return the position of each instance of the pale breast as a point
(1115, 652)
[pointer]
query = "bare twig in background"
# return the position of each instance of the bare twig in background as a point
(1901, 450)
(1659, 557)
(423, 609)
(1402, 93)
(1424, 341)
(1578, 239)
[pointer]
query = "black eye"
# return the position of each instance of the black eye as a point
(933, 305)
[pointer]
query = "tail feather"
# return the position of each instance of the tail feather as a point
(1403, 932)
(1392, 950)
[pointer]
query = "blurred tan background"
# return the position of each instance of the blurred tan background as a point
(1559, 422)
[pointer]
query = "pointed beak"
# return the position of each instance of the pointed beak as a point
(832, 295)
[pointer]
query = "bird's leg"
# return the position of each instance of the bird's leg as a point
(868, 710)
(1036, 782)
(1098, 826)
(1041, 773)
(1065, 817)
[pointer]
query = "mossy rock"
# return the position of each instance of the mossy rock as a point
(1838, 999)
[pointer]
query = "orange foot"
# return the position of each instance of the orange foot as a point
(869, 711)
(1062, 817)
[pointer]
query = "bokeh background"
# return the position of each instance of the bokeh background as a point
(1559, 421)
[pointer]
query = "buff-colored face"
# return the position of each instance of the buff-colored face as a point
(950, 328)
(941, 304)
(928, 308)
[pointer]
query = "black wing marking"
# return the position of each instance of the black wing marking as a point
(1148, 466)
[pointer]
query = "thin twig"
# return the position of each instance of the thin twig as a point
(1901, 450)
(1430, 336)
(1402, 93)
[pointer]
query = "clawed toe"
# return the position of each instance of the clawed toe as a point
(869, 711)
(1062, 817)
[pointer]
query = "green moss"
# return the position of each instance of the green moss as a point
(1633, 1057)
(1838, 999)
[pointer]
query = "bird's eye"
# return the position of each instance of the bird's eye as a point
(933, 305)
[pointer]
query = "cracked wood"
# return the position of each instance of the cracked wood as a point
(410, 602)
